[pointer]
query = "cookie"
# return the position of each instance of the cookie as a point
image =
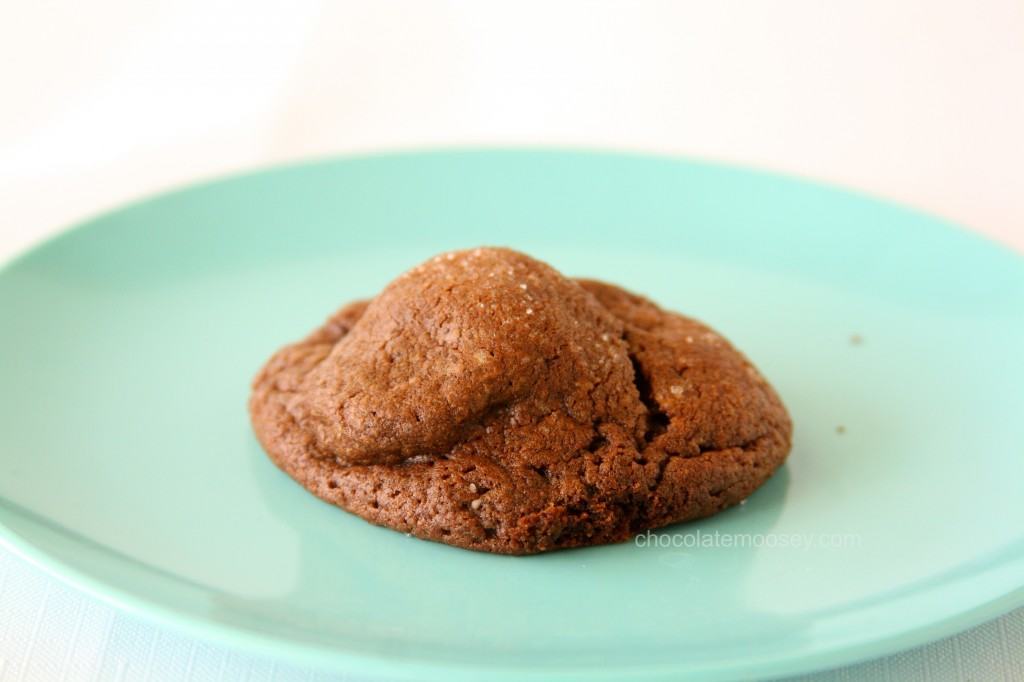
(486, 401)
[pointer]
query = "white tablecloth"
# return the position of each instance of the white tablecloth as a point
(919, 101)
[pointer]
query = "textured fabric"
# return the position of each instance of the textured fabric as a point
(50, 632)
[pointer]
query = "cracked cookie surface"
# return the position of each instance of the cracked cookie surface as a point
(486, 401)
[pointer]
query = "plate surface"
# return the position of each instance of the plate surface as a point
(127, 465)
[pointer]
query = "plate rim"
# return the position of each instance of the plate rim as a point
(354, 662)
(593, 151)
(340, 660)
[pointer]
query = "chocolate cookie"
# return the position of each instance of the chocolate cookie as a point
(486, 401)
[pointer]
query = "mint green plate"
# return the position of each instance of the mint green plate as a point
(127, 465)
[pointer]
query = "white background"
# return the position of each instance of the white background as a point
(104, 101)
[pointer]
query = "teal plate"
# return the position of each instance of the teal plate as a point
(128, 467)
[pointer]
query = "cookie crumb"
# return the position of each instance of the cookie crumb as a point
(856, 340)
(840, 429)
